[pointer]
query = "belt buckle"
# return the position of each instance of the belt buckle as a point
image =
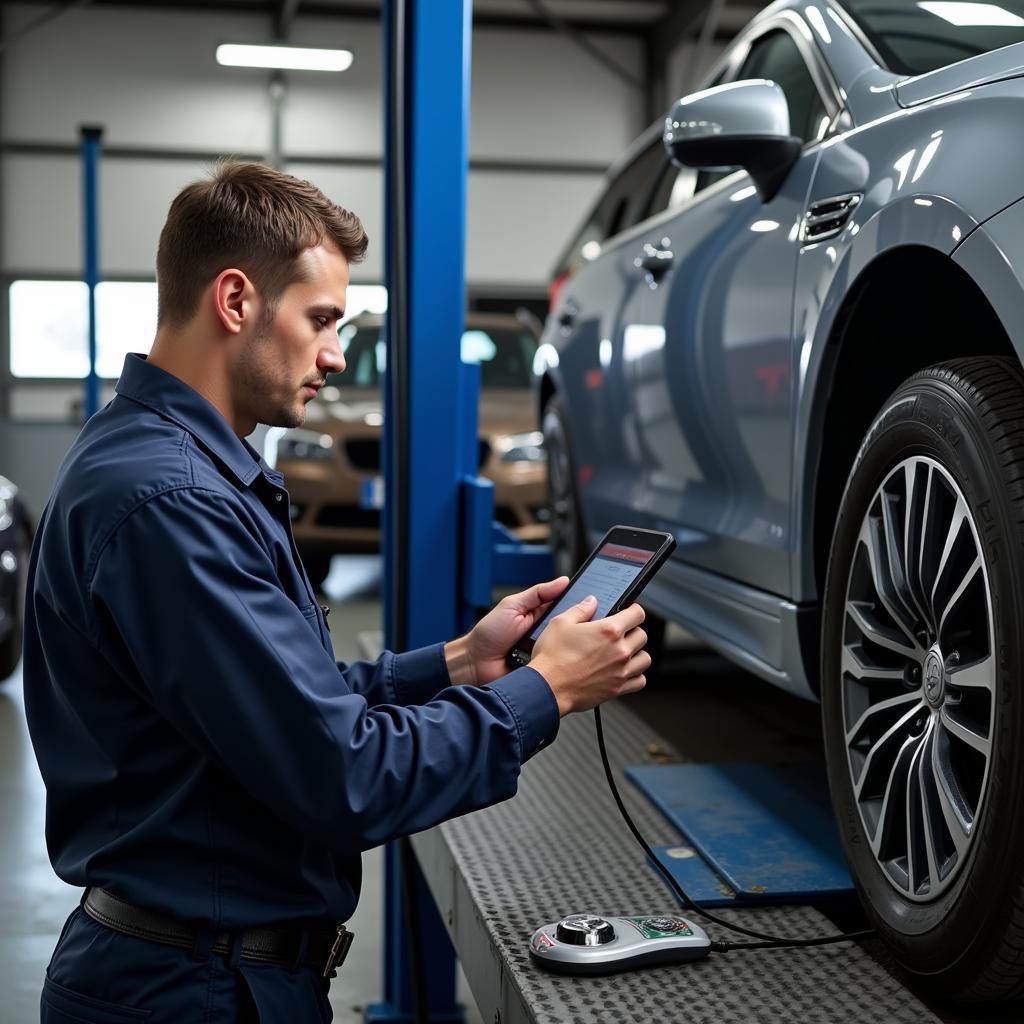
(339, 950)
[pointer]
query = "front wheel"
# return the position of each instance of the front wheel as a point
(923, 663)
(568, 538)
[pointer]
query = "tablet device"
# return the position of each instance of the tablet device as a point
(615, 573)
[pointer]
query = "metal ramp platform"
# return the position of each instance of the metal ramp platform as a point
(560, 846)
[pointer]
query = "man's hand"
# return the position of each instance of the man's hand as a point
(479, 656)
(587, 663)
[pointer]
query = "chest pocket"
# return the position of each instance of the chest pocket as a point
(311, 613)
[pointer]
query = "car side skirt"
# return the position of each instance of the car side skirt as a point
(759, 631)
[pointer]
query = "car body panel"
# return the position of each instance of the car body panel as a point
(674, 438)
(994, 255)
(15, 537)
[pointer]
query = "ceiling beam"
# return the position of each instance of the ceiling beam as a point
(572, 33)
(285, 16)
(362, 12)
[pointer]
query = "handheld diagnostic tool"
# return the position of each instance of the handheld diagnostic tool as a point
(589, 944)
(616, 572)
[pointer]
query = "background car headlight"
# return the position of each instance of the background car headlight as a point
(305, 444)
(523, 448)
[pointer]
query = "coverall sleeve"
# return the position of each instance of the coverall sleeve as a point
(188, 587)
(413, 677)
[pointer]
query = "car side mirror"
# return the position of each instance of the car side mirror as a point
(740, 124)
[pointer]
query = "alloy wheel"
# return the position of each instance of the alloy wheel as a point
(561, 495)
(919, 677)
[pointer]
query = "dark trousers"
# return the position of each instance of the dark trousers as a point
(99, 976)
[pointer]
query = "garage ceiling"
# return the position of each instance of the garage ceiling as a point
(633, 16)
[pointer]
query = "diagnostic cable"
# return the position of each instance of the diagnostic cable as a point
(767, 941)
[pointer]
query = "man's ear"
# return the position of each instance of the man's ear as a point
(234, 300)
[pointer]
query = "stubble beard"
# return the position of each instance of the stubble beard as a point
(259, 386)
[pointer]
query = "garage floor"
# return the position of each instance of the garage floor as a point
(697, 701)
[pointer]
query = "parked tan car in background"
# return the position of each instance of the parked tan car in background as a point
(332, 465)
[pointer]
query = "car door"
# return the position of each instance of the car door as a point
(705, 350)
(594, 282)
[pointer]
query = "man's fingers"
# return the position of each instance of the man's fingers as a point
(634, 684)
(636, 639)
(638, 664)
(581, 612)
(545, 593)
(629, 618)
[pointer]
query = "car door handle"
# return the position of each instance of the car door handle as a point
(567, 316)
(654, 261)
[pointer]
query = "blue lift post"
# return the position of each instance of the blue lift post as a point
(427, 51)
(91, 140)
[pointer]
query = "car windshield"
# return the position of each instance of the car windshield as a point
(915, 36)
(505, 355)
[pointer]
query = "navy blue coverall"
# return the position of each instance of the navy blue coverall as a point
(204, 755)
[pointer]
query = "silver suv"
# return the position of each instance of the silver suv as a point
(790, 331)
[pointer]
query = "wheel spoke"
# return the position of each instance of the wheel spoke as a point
(976, 675)
(911, 528)
(888, 816)
(962, 731)
(883, 586)
(878, 634)
(956, 818)
(897, 569)
(925, 783)
(972, 571)
(881, 709)
(926, 516)
(881, 745)
(855, 666)
(911, 809)
(959, 515)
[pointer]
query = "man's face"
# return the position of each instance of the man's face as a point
(283, 365)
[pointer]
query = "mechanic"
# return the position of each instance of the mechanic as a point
(212, 774)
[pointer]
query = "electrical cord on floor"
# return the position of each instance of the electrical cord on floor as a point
(768, 941)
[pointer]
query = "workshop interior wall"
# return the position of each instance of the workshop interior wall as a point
(546, 119)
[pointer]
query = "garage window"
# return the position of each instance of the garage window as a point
(49, 325)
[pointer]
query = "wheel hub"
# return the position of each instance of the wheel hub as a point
(934, 678)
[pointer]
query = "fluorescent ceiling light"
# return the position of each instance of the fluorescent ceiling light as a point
(962, 13)
(289, 58)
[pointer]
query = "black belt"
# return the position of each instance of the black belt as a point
(325, 950)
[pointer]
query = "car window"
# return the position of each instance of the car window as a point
(775, 56)
(914, 37)
(626, 201)
(505, 355)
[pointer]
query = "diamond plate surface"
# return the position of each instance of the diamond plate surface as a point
(560, 847)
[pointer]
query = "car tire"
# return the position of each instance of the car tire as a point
(568, 537)
(10, 647)
(317, 565)
(922, 669)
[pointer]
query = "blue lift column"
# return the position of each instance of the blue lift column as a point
(427, 52)
(91, 139)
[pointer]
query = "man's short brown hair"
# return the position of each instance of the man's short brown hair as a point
(250, 217)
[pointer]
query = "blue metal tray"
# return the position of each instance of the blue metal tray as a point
(764, 833)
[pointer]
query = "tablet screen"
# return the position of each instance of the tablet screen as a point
(607, 577)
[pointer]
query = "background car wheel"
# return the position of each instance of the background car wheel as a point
(568, 540)
(10, 646)
(317, 565)
(923, 663)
